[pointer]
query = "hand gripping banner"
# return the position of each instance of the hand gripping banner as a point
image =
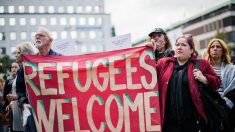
(110, 91)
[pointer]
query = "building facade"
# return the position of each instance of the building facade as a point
(83, 21)
(206, 25)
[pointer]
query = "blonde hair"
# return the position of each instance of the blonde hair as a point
(225, 55)
(25, 48)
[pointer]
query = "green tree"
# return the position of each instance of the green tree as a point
(5, 64)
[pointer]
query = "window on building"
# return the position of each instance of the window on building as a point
(61, 9)
(88, 8)
(2, 36)
(11, 9)
(41, 9)
(3, 50)
(54, 35)
(82, 21)
(43, 21)
(64, 35)
(79, 9)
(1, 9)
(12, 21)
(51, 9)
(72, 21)
(31, 9)
(82, 35)
(23, 35)
(63, 21)
(99, 21)
(96, 9)
(84, 49)
(73, 34)
(22, 21)
(12, 35)
(70, 9)
(53, 21)
(13, 49)
(91, 21)
(21, 9)
(2, 21)
(32, 21)
(92, 34)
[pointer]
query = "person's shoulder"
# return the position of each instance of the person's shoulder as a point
(166, 59)
(52, 52)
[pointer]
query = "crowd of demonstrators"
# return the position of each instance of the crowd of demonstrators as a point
(43, 42)
(8, 90)
(217, 53)
(160, 42)
(3, 128)
(180, 101)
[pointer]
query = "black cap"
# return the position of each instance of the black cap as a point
(157, 30)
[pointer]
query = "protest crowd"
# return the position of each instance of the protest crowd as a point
(182, 79)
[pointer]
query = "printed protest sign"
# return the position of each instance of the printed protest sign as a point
(110, 91)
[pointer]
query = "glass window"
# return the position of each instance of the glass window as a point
(22, 21)
(12, 21)
(72, 21)
(63, 21)
(82, 21)
(31, 9)
(54, 35)
(33, 21)
(13, 49)
(51, 9)
(73, 34)
(41, 9)
(70, 9)
(1, 9)
(84, 49)
(79, 9)
(91, 21)
(82, 35)
(23, 35)
(61, 9)
(12, 36)
(2, 21)
(32, 34)
(92, 34)
(21, 9)
(88, 8)
(64, 35)
(53, 21)
(2, 36)
(96, 9)
(99, 21)
(43, 21)
(11, 9)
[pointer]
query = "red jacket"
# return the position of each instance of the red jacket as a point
(164, 71)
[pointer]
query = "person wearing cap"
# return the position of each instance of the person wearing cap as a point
(160, 43)
(180, 102)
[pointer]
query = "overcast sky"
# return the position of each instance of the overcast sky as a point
(139, 17)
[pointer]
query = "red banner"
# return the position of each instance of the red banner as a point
(110, 91)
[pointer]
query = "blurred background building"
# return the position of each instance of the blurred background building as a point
(83, 21)
(218, 21)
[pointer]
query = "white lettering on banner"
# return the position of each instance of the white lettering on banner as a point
(139, 104)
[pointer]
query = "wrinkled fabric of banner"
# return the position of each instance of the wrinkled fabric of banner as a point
(108, 91)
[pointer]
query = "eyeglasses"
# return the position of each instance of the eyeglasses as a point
(216, 46)
(14, 67)
(39, 36)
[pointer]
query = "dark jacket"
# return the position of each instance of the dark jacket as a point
(20, 82)
(8, 88)
(164, 71)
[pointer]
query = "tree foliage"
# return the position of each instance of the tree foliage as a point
(5, 64)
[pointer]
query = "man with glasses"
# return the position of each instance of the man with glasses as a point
(160, 43)
(43, 42)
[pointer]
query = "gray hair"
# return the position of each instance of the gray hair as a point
(25, 48)
(45, 30)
